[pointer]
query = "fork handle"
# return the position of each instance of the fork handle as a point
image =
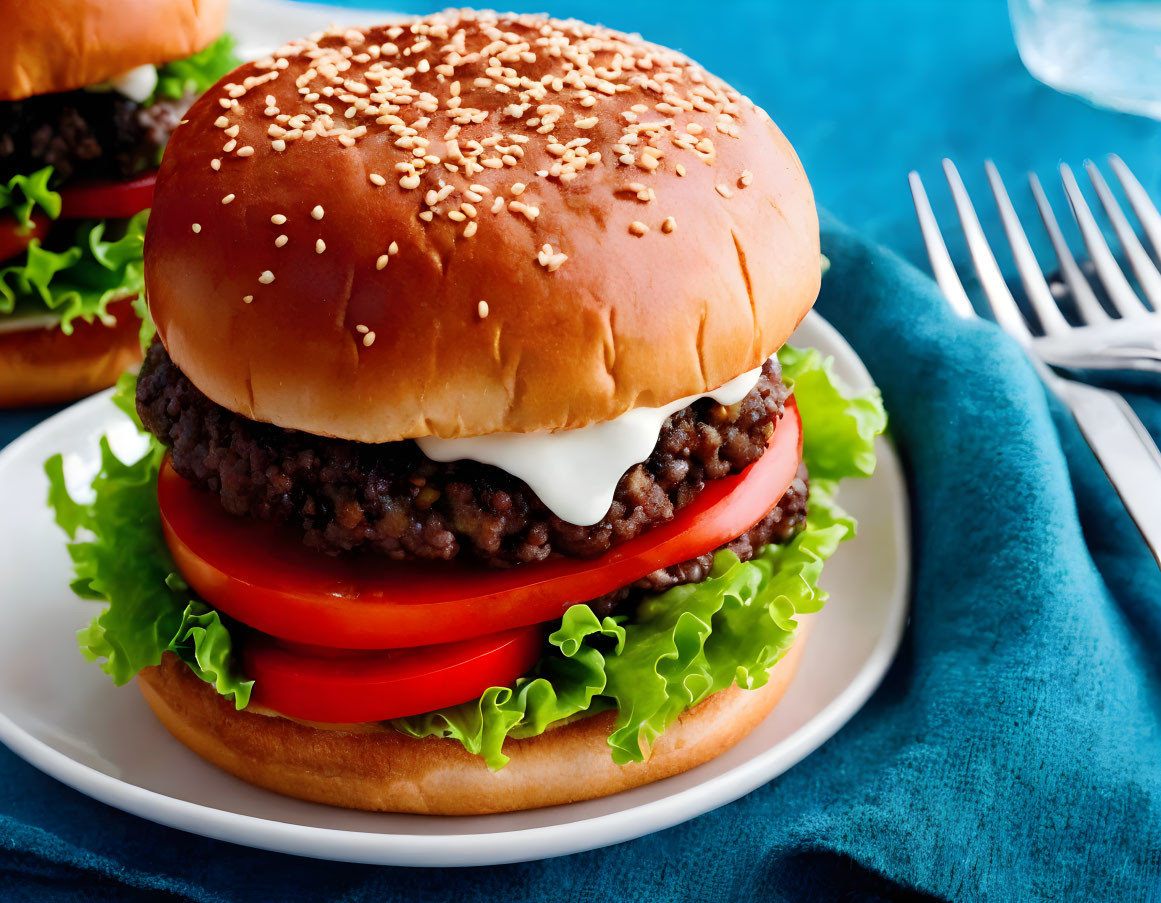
(1123, 448)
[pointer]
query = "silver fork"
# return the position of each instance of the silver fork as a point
(1130, 340)
(1122, 445)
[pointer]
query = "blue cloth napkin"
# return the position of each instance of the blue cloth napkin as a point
(1013, 751)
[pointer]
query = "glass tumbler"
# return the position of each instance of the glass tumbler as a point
(1106, 51)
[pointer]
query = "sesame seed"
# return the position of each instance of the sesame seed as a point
(280, 241)
(246, 299)
(482, 309)
(638, 228)
(320, 246)
(517, 188)
(246, 151)
(745, 178)
(197, 227)
(382, 261)
(393, 248)
(215, 164)
(232, 131)
(377, 179)
(230, 145)
(724, 190)
(668, 225)
(470, 229)
(221, 122)
(680, 170)
(368, 340)
(278, 144)
(409, 181)
(361, 329)
(227, 199)
(317, 211)
(278, 219)
(426, 215)
(266, 278)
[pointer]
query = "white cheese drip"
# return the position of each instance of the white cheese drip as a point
(575, 472)
(136, 84)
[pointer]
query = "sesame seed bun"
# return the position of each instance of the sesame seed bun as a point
(331, 262)
(371, 766)
(76, 43)
(45, 366)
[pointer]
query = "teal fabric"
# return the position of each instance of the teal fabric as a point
(1014, 750)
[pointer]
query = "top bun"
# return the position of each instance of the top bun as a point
(474, 223)
(70, 44)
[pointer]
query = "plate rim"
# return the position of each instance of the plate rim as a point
(494, 847)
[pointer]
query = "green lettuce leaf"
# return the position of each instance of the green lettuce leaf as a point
(195, 74)
(680, 646)
(120, 558)
(23, 193)
(567, 682)
(838, 429)
(82, 280)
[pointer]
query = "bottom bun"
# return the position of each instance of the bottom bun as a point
(370, 766)
(45, 366)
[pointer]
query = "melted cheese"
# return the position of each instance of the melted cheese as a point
(575, 472)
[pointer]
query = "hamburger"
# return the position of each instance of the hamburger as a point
(88, 97)
(480, 477)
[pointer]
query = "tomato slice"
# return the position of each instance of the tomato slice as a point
(107, 198)
(260, 574)
(14, 237)
(346, 687)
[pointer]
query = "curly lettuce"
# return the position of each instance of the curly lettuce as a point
(195, 74)
(23, 194)
(120, 558)
(678, 648)
(82, 280)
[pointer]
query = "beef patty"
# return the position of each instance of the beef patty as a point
(85, 134)
(392, 500)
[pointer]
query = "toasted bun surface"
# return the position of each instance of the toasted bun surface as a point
(365, 321)
(74, 43)
(373, 767)
(45, 366)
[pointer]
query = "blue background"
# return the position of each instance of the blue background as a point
(1013, 751)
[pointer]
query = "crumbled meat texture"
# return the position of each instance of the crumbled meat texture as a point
(84, 134)
(780, 525)
(391, 499)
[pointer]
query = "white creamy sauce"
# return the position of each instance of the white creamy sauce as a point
(575, 472)
(136, 84)
(21, 322)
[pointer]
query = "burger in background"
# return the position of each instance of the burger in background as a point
(480, 477)
(90, 91)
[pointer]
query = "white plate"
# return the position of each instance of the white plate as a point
(65, 717)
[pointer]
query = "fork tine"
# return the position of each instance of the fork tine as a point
(1120, 293)
(1147, 276)
(1030, 273)
(1087, 305)
(1144, 208)
(941, 265)
(1003, 305)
